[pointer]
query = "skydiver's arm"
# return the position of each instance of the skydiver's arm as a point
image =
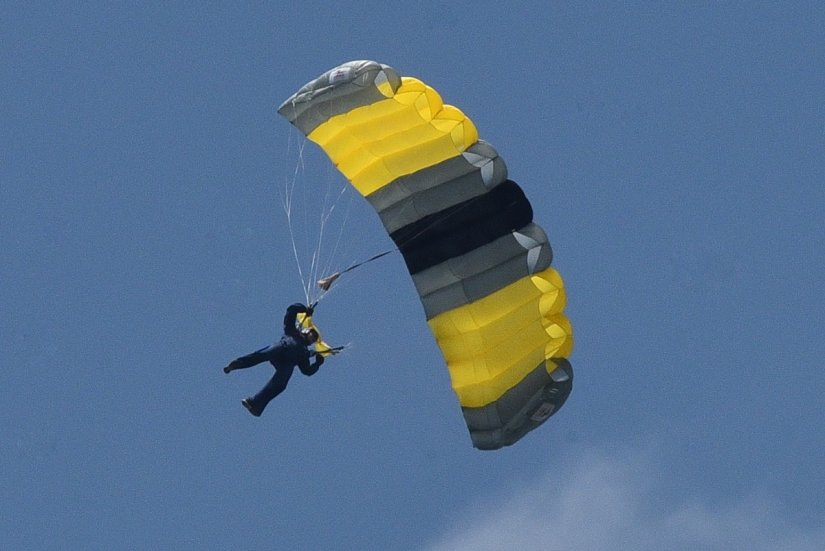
(308, 369)
(290, 318)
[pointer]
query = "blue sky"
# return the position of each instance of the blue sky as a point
(674, 153)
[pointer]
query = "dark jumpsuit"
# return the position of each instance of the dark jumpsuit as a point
(285, 355)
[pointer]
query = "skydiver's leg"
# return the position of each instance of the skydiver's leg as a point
(259, 356)
(275, 386)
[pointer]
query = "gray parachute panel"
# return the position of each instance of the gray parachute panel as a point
(472, 276)
(438, 187)
(339, 90)
(523, 408)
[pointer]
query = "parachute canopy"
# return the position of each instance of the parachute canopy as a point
(466, 232)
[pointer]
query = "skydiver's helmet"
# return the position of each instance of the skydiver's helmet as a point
(310, 335)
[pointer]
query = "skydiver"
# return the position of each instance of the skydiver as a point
(290, 351)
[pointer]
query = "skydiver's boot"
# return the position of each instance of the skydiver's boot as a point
(247, 403)
(231, 367)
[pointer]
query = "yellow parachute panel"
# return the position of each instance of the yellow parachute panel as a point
(378, 143)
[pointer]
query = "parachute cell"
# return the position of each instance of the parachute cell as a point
(466, 232)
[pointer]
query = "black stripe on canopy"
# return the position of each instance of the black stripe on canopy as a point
(463, 227)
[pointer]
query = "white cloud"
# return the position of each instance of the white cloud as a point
(608, 503)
